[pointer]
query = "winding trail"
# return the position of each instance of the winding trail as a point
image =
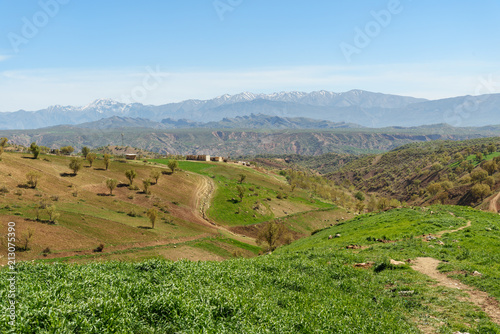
(494, 206)
(428, 266)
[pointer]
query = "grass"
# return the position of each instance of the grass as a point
(475, 248)
(260, 202)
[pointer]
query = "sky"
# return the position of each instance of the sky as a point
(72, 52)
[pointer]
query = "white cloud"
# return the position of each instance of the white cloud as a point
(32, 90)
(4, 57)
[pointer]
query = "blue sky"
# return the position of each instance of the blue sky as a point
(72, 52)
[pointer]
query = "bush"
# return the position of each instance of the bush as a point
(99, 248)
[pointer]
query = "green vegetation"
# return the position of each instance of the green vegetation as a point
(253, 201)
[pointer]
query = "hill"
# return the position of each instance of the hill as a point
(318, 284)
(425, 173)
(236, 142)
(70, 215)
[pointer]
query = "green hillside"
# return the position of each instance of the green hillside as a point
(312, 285)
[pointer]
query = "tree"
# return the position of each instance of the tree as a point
(52, 212)
(67, 150)
(75, 165)
(35, 150)
(146, 183)
(458, 157)
(152, 215)
(479, 156)
(490, 166)
(106, 159)
(480, 191)
(241, 192)
(173, 164)
(492, 148)
(85, 151)
(241, 178)
(130, 174)
(434, 188)
(155, 174)
(111, 184)
(478, 175)
(26, 238)
(3, 143)
(359, 196)
(32, 178)
(271, 234)
(91, 157)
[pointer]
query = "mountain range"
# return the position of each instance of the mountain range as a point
(367, 109)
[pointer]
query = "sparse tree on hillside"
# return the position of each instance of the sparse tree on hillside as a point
(85, 151)
(75, 165)
(480, 191)
(32, 178)
(35, 150)
(271, 233)
(107, 159)
(146, 183)
(26, 238)
(152, 215)
(90, 158)
(241, 192)
(130, 174)
(67, 150)
(492, 148)
(52, 212)
(173, 164)
(111, 184)
(3, 143)
(458, 157)
(479, 156)
(155, 174)
(241, 178)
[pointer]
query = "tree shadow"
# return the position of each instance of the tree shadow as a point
(99, 169)
(122, 185)
(32, 158)
(68, 174)
(233, 200)
(23, 186)
(145, 227)
(104, 194)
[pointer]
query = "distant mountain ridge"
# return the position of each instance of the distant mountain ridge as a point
(240, 122)
(356, 106)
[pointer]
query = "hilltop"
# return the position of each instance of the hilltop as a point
(197, 206)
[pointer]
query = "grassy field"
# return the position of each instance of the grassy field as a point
(309, 286)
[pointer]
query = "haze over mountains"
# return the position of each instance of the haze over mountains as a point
(348, 109)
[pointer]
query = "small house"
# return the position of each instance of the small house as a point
(130, 156)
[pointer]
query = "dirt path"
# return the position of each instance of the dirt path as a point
(428, 266)
(494, 207)
(440, 234)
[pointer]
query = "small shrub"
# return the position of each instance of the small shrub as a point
(99, 248)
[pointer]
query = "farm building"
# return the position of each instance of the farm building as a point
(217, 159)
(198, 157)
(130, 156)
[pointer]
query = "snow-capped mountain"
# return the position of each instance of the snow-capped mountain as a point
(355, 106)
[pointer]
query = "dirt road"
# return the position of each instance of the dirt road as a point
(494, 206)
